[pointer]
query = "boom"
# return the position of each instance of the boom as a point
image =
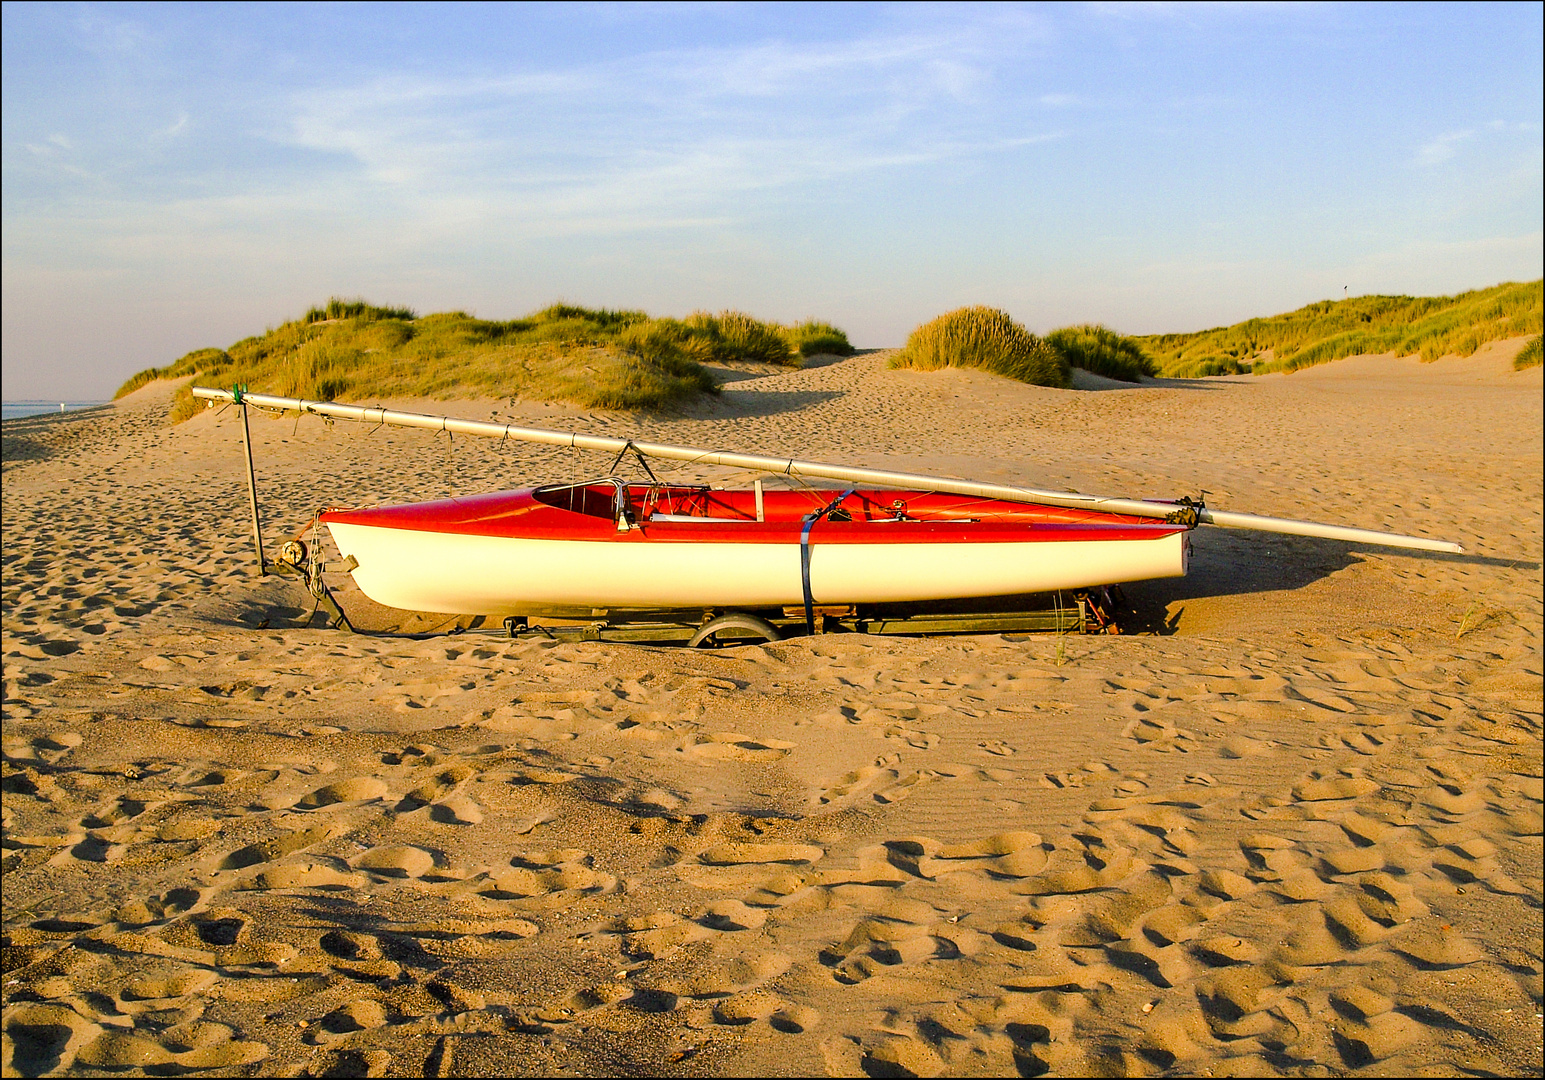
(825, 471)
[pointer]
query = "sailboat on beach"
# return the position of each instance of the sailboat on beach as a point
(891, 538)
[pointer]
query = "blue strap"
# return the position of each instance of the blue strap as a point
(804, 556)
(804, 571)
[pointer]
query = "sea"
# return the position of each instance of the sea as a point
(15, 410)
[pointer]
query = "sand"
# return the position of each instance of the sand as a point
(1293, 825)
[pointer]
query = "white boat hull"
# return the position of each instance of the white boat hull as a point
(497, 575)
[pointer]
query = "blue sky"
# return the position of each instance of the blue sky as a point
(176, 177)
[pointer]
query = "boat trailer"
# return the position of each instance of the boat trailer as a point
(1087, 611)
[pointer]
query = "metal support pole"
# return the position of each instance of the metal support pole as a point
(257, 523)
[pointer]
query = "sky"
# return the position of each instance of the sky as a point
(175, 177)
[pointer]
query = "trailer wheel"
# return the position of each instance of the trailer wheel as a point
(737, 626)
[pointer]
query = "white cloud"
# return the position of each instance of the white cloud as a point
(1446, 147)
(669, 134)
(50, 147)
(1441, 149)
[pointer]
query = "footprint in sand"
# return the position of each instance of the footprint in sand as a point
(547, 878)
(1004, 855)
(202, 776)
(408, 697)
(650, 727)
(793, 1019)
(116, 812)
(888, 1055)
(51, 749)
(880, 782)
(356, 790)
(456, 809)
(1078, 869)
(731, 746)
(901, 931)
(304, 875)
(854, 782)
(920, 740)
(349, 1063)
(152, 988)
(1360, 742)
(733, 915)
(1335, 786)
(736, 974)
(1242, 746)
(396, 861)
(1474, 859)
(347, 1020)
(436, 788)
(1437, 946)
(1113, 922)
(898, 786)
(746, 1007)
(1158, 735)
(419, 754)
(117, 1050)
(276, 848)
(736, 877)
(735, 853)
(153, 909)
(657, 935)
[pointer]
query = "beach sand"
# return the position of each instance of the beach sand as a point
(1294, 827)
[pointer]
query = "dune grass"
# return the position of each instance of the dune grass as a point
(813, 338)
(337, 308)
(1432, 326)
(986, 338)
(734, 335)
(1103, 351)
(593, 358)
(1528, 356)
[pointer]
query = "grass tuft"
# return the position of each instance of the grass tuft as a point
(1432, 326)
(1103, 351)
(338, 308)
(591, 357)
(986, 338)
(1529, 355)
(812, 338)
(1464, 623)
(736, 336)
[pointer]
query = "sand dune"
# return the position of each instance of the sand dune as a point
(1294, 829)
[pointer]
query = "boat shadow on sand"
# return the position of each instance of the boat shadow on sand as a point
(1228, 563)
